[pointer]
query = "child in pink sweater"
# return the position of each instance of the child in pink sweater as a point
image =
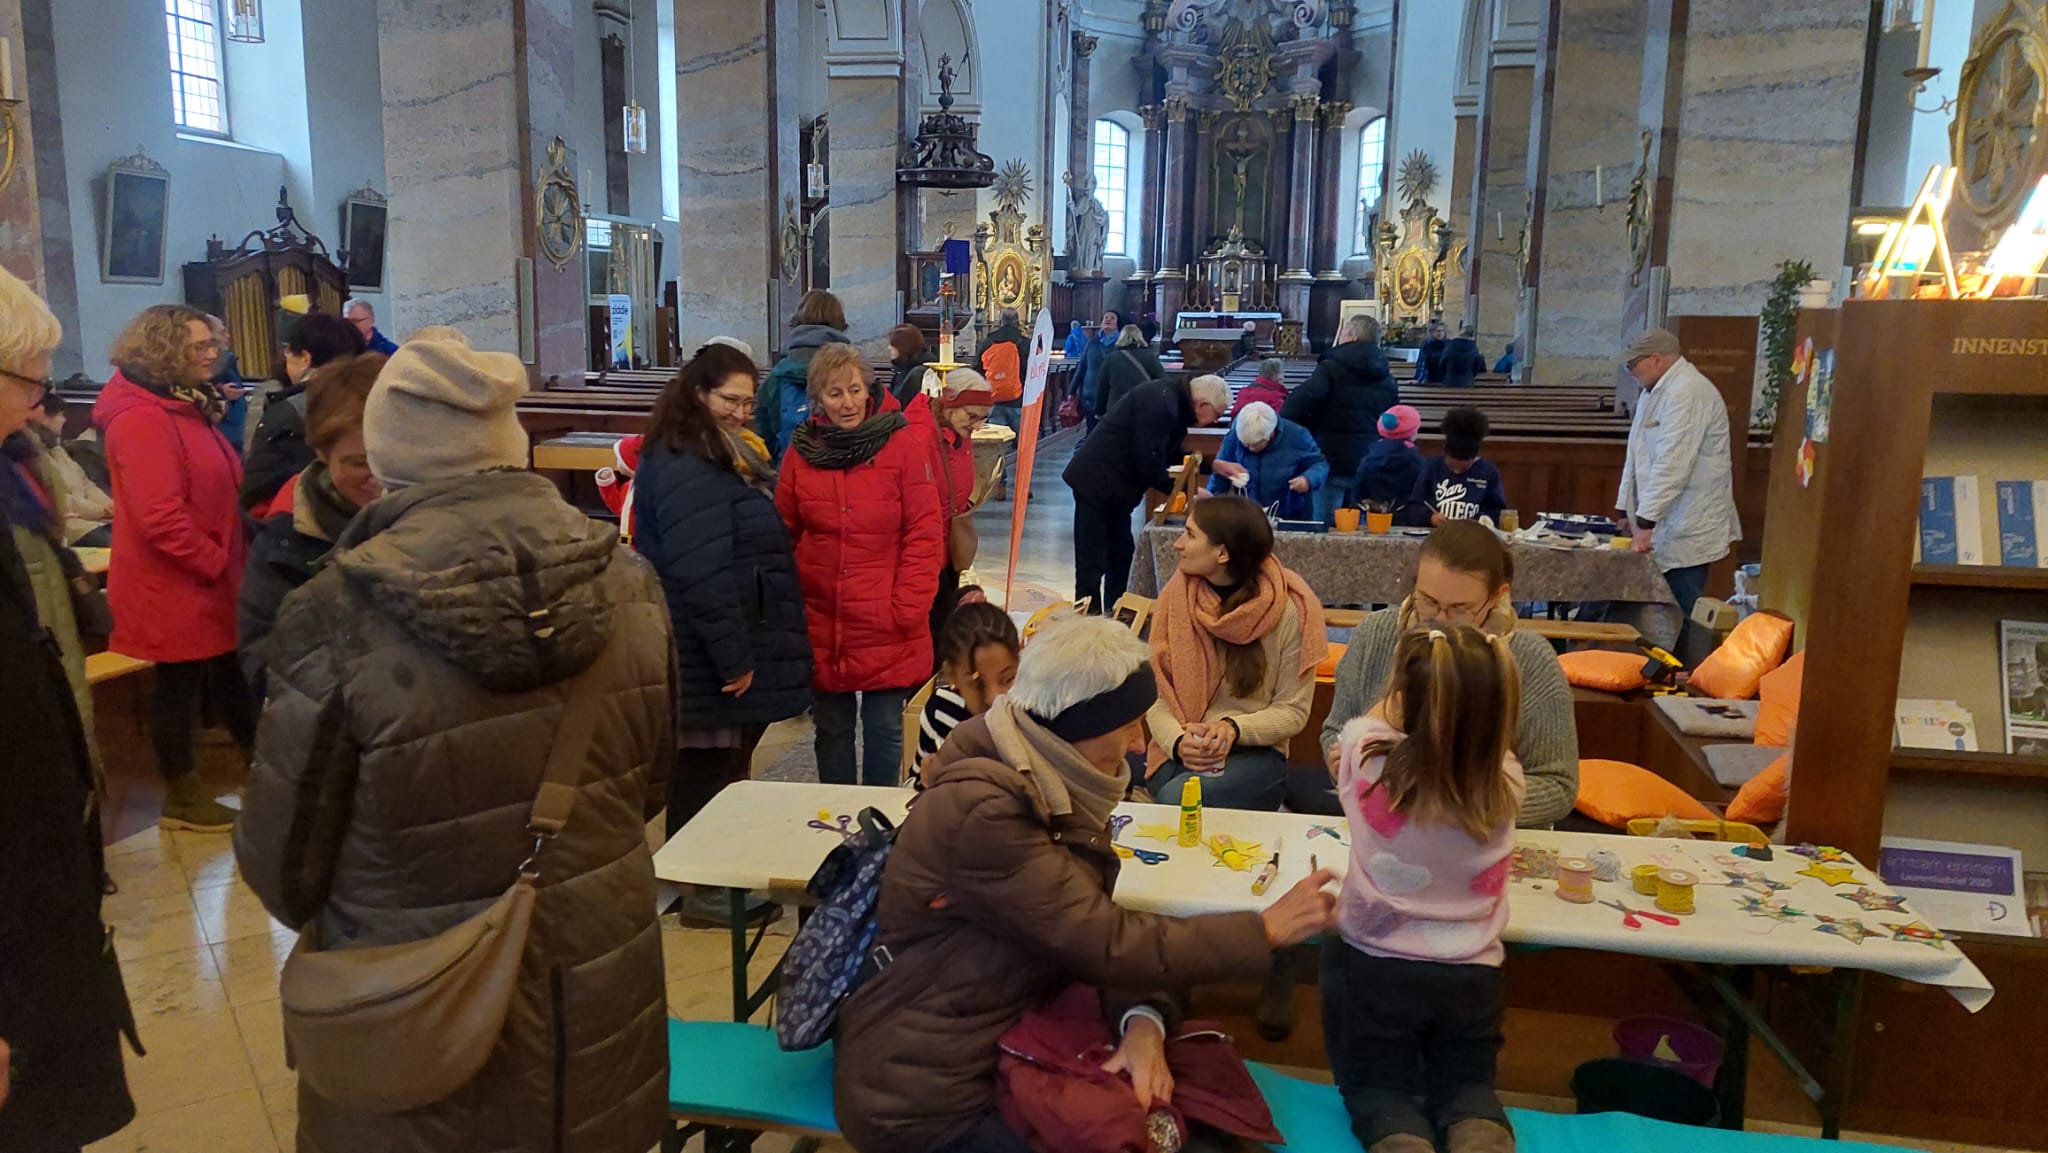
(1412, 992)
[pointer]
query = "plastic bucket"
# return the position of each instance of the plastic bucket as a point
(1698, 1048)
(1611, 1085)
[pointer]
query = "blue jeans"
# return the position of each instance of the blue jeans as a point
(1009, 414)
(881, 745)
(1686, 585)
(1252, 778)
(1334, 494)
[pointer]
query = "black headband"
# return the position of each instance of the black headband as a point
(1106, 712)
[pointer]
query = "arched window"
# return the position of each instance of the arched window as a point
(1372, 165)
(1113, 183)
(197, 102)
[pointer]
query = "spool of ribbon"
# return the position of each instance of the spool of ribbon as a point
(1645, 877)
(1575, 880)
(1606, 865)
(1674, 891)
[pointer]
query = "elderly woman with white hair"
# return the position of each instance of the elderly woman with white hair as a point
(997, 896)
(1271, 460)
(950, 415)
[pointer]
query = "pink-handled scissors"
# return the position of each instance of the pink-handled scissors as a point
(1630, 917)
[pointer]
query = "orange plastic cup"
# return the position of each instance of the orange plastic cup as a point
(1379, 523)
(1347, 520)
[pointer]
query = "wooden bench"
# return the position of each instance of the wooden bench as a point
(112, 666)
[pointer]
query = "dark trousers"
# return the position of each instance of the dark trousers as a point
(1412, 1043)
(1252, 778)
(181, 688)
(701, 774)
(1103, 547)
(1687, 585)
(988, 1135)
(943, 605)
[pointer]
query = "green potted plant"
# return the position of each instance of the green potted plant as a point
(1780, 319)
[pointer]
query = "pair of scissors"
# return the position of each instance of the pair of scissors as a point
(844, 828)
(1630, 918)
(1144, 856)
(1117, 825)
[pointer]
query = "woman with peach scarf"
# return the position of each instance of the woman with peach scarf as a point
(1235, 642)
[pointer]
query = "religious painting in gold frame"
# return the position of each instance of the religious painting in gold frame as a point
(1009, 281)
(1411, 281)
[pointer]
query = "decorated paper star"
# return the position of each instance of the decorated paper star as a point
(1754, 881)
(1235, 854)
(1918, 931)
(1832, 874)
(1757, 906)
(1847, 928)
(1825, 854)
(1871, 902)
(1159, 832)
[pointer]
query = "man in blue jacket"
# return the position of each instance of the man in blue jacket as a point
(1271, 460)
(1092, 357)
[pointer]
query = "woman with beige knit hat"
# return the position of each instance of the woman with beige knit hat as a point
(418, 684)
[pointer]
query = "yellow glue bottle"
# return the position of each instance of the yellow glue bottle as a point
(1191, 813)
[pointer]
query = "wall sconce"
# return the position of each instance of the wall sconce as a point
(636, 128)
(245, 21)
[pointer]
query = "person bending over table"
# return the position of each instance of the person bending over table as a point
(1236, 640)
(1462, 577)
(997, 897)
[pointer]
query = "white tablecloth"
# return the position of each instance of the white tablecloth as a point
(754, 835)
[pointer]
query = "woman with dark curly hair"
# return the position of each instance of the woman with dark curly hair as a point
(178, 532)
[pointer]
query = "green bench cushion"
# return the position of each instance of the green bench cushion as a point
(731, 1069)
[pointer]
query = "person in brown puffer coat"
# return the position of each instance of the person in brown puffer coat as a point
(416, 685)
(997, 896)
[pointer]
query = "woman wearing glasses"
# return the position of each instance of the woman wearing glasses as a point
(1462, 578)
(705, 518)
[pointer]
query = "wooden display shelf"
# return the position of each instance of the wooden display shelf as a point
(1945, 762)
(1980, 576)
(2018, 383)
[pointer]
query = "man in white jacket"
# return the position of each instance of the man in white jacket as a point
(1677, 486)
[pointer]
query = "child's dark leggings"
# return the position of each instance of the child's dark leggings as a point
(1412, 1043)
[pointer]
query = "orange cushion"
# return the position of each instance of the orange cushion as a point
(1778, 701)
(1613, 792)
(1762, 799)
(1757, 646)
(1603, 669)
(1327, 671)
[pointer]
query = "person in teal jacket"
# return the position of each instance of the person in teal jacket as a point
(784, 403)
(1277, 459)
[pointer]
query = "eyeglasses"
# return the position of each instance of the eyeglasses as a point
(37, 388)
(736, 403)
(1430, 608)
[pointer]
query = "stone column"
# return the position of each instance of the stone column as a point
(1299, 274)
(473, 92)
(1087, 282)
(1588, 87)
(38, 83)
(726, 162)
(1458, 308)
(866, 136)
(1503, 205)
(1155, 182)
(21, 235)
(1331, 245)
(1170, 285)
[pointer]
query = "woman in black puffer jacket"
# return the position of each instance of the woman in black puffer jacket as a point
(706, 523)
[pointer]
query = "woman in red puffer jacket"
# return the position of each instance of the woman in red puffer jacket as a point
(860, 493)
(179, 543)
(1270, 387)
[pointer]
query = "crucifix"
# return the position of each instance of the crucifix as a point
(1241, 148)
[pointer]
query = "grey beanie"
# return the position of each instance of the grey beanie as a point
(441, 409)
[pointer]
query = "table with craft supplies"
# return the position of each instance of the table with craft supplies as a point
(1364, 568)
(1825, 911)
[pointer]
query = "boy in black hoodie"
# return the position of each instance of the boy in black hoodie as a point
(1459, 485)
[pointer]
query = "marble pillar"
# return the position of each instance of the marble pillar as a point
(472, 91)
(1299, 273)
(725, 164)
(1503, 206)
(1087, 282)
(1331, 223)
(1765, 88)
(1155, 182)
(1588, 89)
(1170, 286)
(21, 231)
(866, 130)
(1464, 159)
(53, 195)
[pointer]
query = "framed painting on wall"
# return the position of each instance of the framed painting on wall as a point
(364, 215)
(134, 221)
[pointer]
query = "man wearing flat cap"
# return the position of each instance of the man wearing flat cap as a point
(1678, 484)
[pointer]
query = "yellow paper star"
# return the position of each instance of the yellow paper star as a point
(1159, 832)
(1232, 853)
(1832, 874)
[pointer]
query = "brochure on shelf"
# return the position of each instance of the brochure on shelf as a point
(1924, 724)
(1958, 886)
(1951, 525)
(2023, 523)
(2023, 655)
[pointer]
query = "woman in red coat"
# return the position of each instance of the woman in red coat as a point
(179, 545)
(861, 496)
(949, 420)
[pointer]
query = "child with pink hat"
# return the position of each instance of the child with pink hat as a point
(1387, 473)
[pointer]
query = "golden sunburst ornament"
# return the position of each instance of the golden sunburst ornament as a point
(1013, 185)
(1418, 176)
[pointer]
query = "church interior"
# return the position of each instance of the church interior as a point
(1831, 213)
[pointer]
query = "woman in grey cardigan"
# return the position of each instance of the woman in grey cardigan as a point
(1462, 577)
